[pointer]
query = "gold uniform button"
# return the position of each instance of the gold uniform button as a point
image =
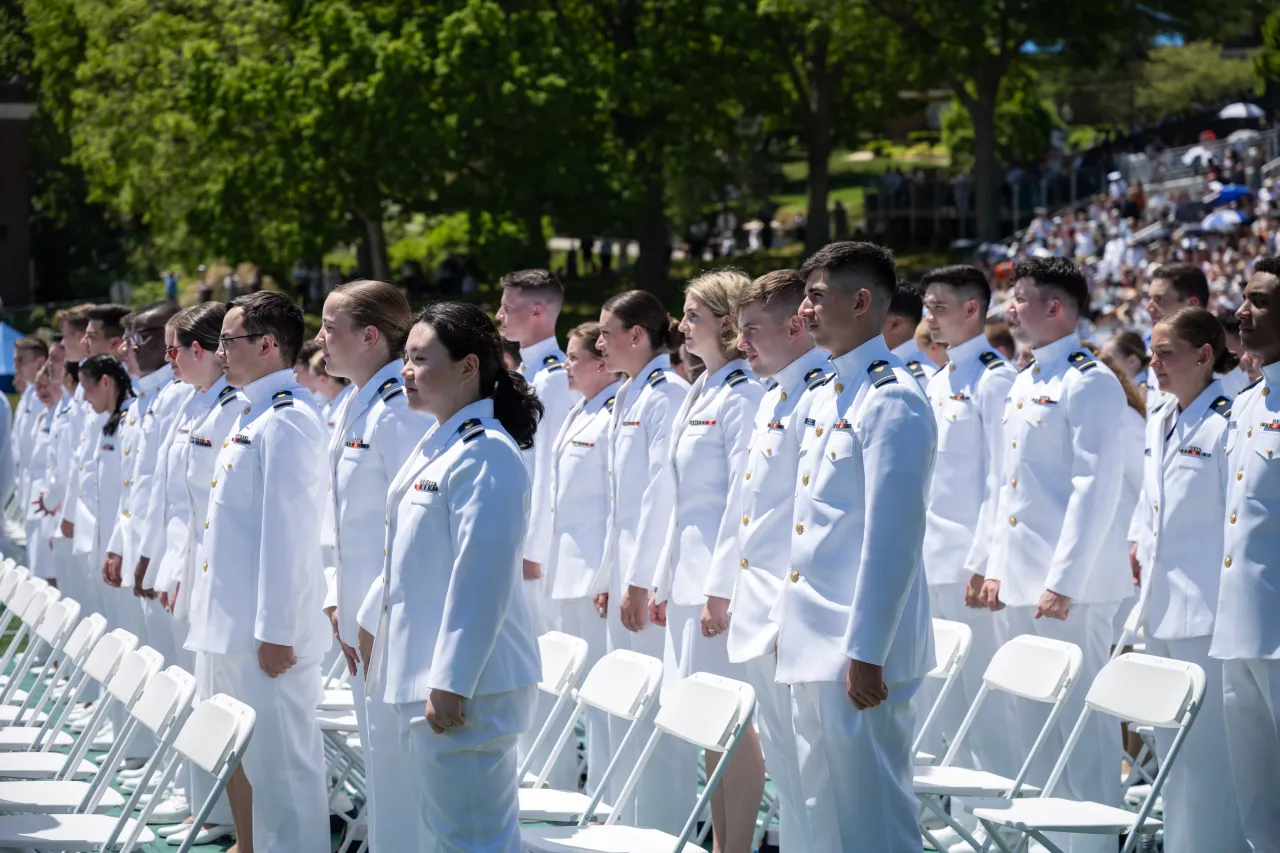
(132, 421)
(228, 466)
(1266, 391)
(127, 514)
(1156, 507)
(783, 396)
(1036, 371)
(246, 409)
(745, 521)
(1019, 404)
(795, 576)
(205, 567)
(126, 482)
(1015, 442)
(1248, 433)
(805, 479)
(384, 552)
(387, 522)
(748, 475)
(1227, 562)
(769, 450)
(839, 387)
(818, 431)
(1239, 475)
(799, 528)
(952, 368)
(744, 562)
(226, 444)
(1233, 518)
(1013, 522)
(213, 484)
(206, 524)
(1013, 483)
(127, 451)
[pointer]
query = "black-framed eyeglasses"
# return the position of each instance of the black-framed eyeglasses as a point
(224, 340)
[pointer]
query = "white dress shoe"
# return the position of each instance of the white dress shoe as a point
(172, 829)
(173, 810)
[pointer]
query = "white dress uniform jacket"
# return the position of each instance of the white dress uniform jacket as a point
(39, 557)
(768, 501)
(375, 432)
(261, 579)
(542, 366)
(1061, 481)
(968, 398)
(580, 493)
(915, 360)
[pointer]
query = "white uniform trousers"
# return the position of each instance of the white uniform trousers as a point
(39, 558)
(580, 619)
(1093, 771)
(856, 769)
(391, 804)
(1200, 805)
(667, 789)
(778, 741)
(1251, 706)
(987, 746)
(91, 591)
(465, 780)
(198, 781)
(126, 613)
(285, 758)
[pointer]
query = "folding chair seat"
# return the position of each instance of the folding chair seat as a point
(337, 700)
(951, 642)
(213, 737)
(564, 660)
(707, 711)
(623, 684)
(1029, 667)
(1151, 690)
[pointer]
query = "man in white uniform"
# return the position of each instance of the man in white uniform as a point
(29, 355)
(854, 639)
(968, 398)
(781, 353)
(531, 302)
(256, 601)
(899, 330)
(1247, 631)
(1058, 557)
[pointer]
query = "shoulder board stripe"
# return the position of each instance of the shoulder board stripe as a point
(1082, 361)
(915, 369)
(280, 395)
(390, 383)
(468, 424)
(1222, 406)
(890, 379)
(877, 367)
(228, 398)
(1028, 364)
(280, 404)
(656, 377)
(1250, 385)
(608, 404)
(550, 360)
(226, 392)
(475, 433)
(552, 368)
(822, 379)
(735, 377)
(991, 360)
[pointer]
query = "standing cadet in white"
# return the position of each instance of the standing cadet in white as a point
(780, 351)
(1246, 635)
(191, 340)
(47, 489)
(29, 418)
(531, 302)
(699, 562)
(257, 595)
(108, 389)
(1178, 529)
(636, 335)
(1172, 287)
(455, 651)
(854, 639)
(362, 335)
(48, 395)
(1052, 560)
(580, 514)
(968, 398)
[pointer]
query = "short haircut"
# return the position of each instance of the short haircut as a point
(157, 313)
(542, 286)
(851, 265)
(305, 353)
(268, 312)
(1269, 266)
(908, 302)
(968, 281)
(111, 316)
(1187, 280)
(1058, 274)
(32, 345)
(77, 316)
(780, 290)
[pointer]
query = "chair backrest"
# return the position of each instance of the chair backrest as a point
(1035, 668)
(58, 619)
(105, 657)
(563, 659)
(84, 638)
(36, 605)
(164, 698)
(951, 641)
(621, 682)
(136, 669)
(704, 710)
(1148, 690)
(20, 596)
(216, 728)
(9, 583)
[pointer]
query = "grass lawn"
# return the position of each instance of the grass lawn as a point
(850, 176)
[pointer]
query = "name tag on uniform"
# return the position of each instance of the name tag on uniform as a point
(183, 431)
(426, 486)
(202, 442)
(577, 443)
(1045, 401)
(241, 439)
(702, 423)
(631, 423)
(357, 443)
(1194, 451)
(810, 422)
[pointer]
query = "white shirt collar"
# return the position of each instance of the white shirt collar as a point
(794, 372)
(1271, 374)
(1060, 348)
(390, 370)
(147, 385)
(855, 362)
(262, 388)
(969, 349)
(531, 356)
(597, 402)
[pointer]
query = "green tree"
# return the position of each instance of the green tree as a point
(1024, 121)
(1176, 78)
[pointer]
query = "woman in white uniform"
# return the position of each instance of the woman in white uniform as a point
(455, 650)
(109, 391)
(1180, 551)
(699, 562)
(48, 394)
(191, 339)
(580, 516)
(362, 337)
(636, 335)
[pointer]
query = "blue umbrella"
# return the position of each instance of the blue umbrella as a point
(1228, 194)
(1225, 220)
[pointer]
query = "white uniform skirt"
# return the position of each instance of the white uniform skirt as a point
(686, 651)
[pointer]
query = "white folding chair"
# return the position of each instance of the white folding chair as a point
(52, 628)
(136, 669)
(213, 737)
(951, 642)
(707, 711)
(1139, 775)
(75, 653)
(24, 661)
(162, 707)
(1034, 668)
(1155, 691)
(564, 661)
(624, 684)
(15, 604)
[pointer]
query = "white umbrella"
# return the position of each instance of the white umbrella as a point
(1225, 220)
(1197, 152)
(1244, 135)
(1241, 110)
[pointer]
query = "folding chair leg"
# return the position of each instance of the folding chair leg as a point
(993, 833)
(1049, 845)
(936, 807)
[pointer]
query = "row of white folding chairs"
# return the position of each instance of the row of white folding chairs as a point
(60, 798)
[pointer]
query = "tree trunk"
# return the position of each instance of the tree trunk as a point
(375, 241)
(538, 252)
(986, 172)
(651, 266)
(818, 228)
